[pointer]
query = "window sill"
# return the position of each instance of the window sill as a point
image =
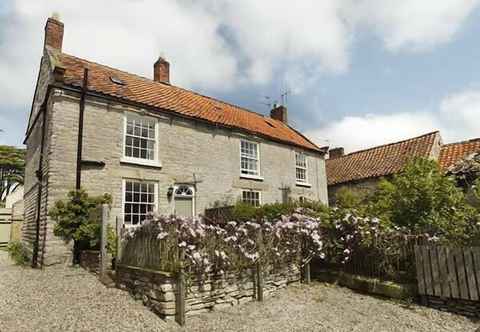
(141, 162)
(251, 177)
(303, 184)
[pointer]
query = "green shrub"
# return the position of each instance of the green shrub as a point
(245, 212)
(348, 198)
(79, 218)
(424, 200)
(18, 252)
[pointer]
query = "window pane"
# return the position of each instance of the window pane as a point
(139, 200)
(140, 138)
(251, 197)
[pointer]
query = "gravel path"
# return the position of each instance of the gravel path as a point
(67, 299)
(323, 307)
(70, 299)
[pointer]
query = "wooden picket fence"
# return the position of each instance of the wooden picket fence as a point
(447, 272)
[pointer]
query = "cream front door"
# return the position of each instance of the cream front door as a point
(184, 201)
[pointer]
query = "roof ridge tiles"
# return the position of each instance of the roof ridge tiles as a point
(387, 144)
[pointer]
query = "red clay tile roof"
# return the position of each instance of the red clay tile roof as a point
(378, 161)
(171, 98)
(450, 154)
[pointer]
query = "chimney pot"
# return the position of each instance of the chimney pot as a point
(336, 153)
(53, 33)
(161, 71)
(279, 113)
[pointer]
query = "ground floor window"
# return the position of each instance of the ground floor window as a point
(139, 199)
(251, 197)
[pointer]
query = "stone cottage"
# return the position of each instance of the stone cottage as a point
(362, 170)
(152, 145)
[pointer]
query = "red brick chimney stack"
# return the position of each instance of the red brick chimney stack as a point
(336, 153)
(53, 33)
(161, 71)
(279, 113)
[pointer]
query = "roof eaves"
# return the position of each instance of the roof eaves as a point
(76, 87)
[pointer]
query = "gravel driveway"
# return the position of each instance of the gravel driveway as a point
(70, 299)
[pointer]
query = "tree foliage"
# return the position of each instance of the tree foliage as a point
(424, 200)
(12, 169)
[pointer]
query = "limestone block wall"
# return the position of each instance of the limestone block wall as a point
(189, 151)
(158, 290)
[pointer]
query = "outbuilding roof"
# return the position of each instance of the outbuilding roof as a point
(454, 152)
(381, 160)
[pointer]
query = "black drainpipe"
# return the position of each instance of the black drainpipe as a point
(39, 175)
(80, 130)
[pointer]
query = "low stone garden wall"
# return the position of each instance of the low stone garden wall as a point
(368, 285)
(159, 290)
(462, 307)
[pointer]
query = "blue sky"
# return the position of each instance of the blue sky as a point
(360, 73)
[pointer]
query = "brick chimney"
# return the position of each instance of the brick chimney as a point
(53, 33)
(336, 153)
(279, 113)
(161, 71)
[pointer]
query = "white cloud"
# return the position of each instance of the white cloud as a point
(306, 37)
(218, 45)
(126, 34)
(414, 25)
(460, 113)
(280, 33)
(457, 118)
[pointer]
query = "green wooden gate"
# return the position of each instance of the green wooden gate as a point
(5, 226)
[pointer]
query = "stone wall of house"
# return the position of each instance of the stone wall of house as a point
(363, 187)
(190, 152)
(157, 289)
(58, 251)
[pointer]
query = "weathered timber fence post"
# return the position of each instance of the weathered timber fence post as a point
(306, 265)
(104, 241)
(306, 272)
(181, 292)
(259, 283)
(119, 230)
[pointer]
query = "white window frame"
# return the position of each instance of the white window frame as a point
(253, 191)
(124, 186)
(301, 182)
(140, 161)
(251, 176)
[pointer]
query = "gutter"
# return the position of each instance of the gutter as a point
(156, 110)
(80, 130)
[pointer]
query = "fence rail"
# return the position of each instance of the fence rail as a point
(378, 261)
(448, 272)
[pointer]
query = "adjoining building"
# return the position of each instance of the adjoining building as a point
(362, 170)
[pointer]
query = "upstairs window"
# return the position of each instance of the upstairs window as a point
(140, 138)
(251, 197)
(249, 158)
(301, 167)
(139, 199)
